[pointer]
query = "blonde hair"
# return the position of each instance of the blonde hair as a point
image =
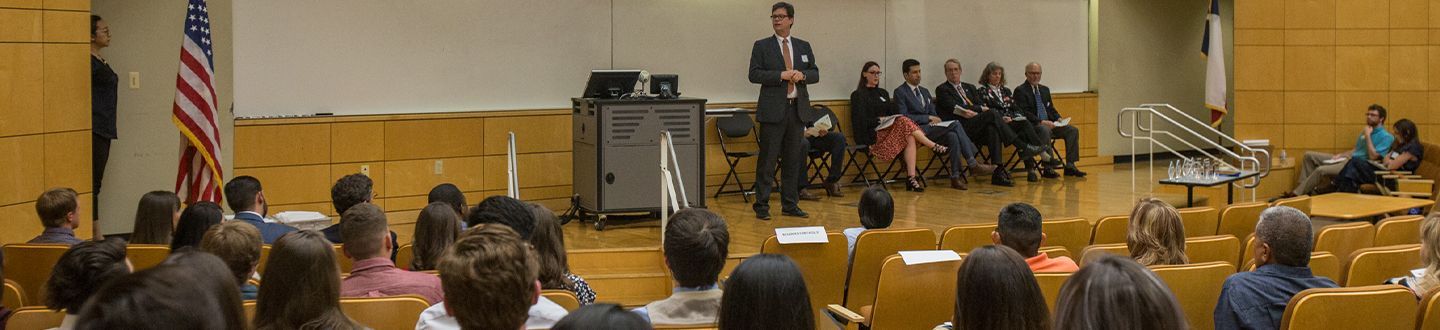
(1430, 254)
(1156, 235)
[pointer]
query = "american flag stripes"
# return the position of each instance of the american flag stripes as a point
(194, 112)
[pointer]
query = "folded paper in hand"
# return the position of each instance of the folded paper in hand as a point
(821, 125)
(946, 123)
(1062, 122)
(928, 256)
(800, 235)
(886, 121)
(1336, 160)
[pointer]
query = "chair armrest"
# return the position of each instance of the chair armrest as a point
(1416, 181)
(844, 313)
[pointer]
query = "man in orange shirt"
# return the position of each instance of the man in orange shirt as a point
(1019, 229)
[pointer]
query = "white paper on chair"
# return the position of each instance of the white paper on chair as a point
(886, 121)
(928, 256)
(1336, 160)
(299, 216)
(801, 235)
(823, 124)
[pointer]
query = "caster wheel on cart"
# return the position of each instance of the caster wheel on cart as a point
(600, 223)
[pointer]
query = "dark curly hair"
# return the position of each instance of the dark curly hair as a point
(82, 270)
(506, 211)
(350, 190)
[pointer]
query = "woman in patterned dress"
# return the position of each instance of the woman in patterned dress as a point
(870, 106)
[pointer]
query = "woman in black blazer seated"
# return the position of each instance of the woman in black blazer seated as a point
(868, 105)
(994, 95)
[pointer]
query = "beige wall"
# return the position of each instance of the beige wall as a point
(44, 110)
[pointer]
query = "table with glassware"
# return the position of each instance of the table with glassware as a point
(1195, 173)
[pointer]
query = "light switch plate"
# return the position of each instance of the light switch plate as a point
(439, 167)
(134, 80)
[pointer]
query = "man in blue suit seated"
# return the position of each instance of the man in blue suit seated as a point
(244, 196)
(916, 103)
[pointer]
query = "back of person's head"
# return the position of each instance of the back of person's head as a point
(165, 296)
(155, 218)
(210, 274)
(236, 243)
(351, 190)
(1405, 132)
(450, 195)
(1429, 254)
(365, 231)
(504, 210)
(194, 222)
(490, 278)
(549, 244)
(437, 227)
(877, 209)
(55, 207)
(602, 316)
(1115, 292)
(241, 193)
(81, 271)
(696, 244)
(1156, 235)
(995, 289)
(301, 289)
(1284, 236)
(1019, 229)
(766, 292)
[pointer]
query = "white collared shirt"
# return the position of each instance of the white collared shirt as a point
(543, 315)
(915, 89)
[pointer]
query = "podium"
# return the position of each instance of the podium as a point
(616, 152)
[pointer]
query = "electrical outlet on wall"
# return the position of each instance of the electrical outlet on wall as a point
(365, 169)
(439, 167)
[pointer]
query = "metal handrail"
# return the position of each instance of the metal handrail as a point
(1249, 161)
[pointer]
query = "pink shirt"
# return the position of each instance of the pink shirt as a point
(378, 277)
(1043, 263)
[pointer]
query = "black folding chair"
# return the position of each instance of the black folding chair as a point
(738, 125)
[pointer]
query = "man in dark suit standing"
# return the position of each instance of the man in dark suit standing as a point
(1033, 100)
(956, 100)
(783, 66)
(915, 103)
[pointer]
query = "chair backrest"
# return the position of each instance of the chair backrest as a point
(1095, 251)
(1247, 252)
(686, 326)
(1197, 287)
(913, 296)
(1372, 266)
(405, 256)
(1111, 229)
(1239, 219)
(1212, 248)
(871, 251)
(564, 298)
(628, 276)
(1429, 317)
(34, 318)
(736, 126)
(1325, 264)
(822, 265)
(1050, 284)
(1398, 230)
(1200, 221)
(341, 261)
(1301, 203)
(1072, 233)
(963, 238)
(393, 312)
(1343, 239)
(144, 256)
(29, 265)
(249, 307)
(14, 298)
(1353, 308)
(1055, 251)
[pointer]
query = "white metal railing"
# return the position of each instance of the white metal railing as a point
(1142, 128)
(671, 183)
(512, 178)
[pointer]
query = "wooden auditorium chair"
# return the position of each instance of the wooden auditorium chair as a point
(1212, 248)
(1095, 251)
(1325, 264)
(1344, 238)
(1197, 287)
(1239, 219)
(1072, 233)
(906, 297)
(1429, 315)
(14, 298)
(1353, 308)
(1111, 229)
(1055, 251)
(393, 312)
(1050, 284)
(144, 256)
(564, 298)
(963, 238)
(35, 317)
(822, 265)
(405, 256)
(1200, 221)
(29, 265)
(872, 248)
(1398, 230)
(628, 276)
(1301, 203)
(1372, 266)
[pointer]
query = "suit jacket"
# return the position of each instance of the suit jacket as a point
(1002, 101)
(918, 110)
(269, 232)
(947, 98)
(1025, 102)
(766, 63)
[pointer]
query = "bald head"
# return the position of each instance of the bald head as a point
(1032, 73)
(1288, 234)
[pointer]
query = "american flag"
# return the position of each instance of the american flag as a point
(195, 111)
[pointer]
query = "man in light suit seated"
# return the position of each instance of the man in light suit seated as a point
(916, 103)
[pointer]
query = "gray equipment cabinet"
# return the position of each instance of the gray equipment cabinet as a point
(616, 153)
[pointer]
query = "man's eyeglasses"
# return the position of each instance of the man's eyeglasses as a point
(778, 17)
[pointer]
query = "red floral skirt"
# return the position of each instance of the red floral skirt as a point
(890, 141)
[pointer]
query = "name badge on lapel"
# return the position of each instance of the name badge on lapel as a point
(805, 58)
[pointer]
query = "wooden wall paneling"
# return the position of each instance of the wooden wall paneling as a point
(1259, 37)
(1409, 37)
(292, 184)
(1310, 137)
(1367, 37)
(1371, 14)
(22, 157)
(1274, 132)
(377, 174)
(407, 203)
(20, 4)
(1313, 14)
(20, 222)
(357, 142)
(417, 177)
(1257, 107)
(534, 170)
(1412, 105)
(1320, 37)
(1259, 67)
(281, 145)
(533, 134)
(85, 203)
(67, 26)
(67, 87)
(1259, 14)
(68, 4)
(1356, 68)
(1309, 107)
(1408, 68)
(1350, 106)
(437, 138)
(1409, 14)
(1320, 71)
(20, 25)
(67, 160)
(21, 87)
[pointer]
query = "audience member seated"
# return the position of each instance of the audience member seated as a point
(245, 198)
(1156, 235)
(155, 218)
(210, 274)
(1020, 230)
(80, 272)
(1033, 100)
(506, 211)
(877, 211)
(549, 244)
(1318, 167)
(1256, 299)
(915, 103)
(58, 213)
(450, 195)
(238, 245)
(1405, 155)
(491, 281)
(1429, 272)
(178, 295)
(1114, 292)
(832, 142)
(349, 190)
(194, 222)
(995, 96)
(602, 316)
(995, 289)
(367, 242)
(301, 286)
(696, 244)
(766, 292)
(437, 227)
(876, 121)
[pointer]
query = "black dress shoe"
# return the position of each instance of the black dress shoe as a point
(1002, 179)
(833, 189)
(1031, 176)
(806, 195)
(795, 213)
(1049, 173)
(1073, 171)
(762, 215)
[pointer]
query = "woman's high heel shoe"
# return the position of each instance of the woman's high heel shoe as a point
(916, 184)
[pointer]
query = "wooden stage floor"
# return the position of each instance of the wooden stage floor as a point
(1106, 191)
